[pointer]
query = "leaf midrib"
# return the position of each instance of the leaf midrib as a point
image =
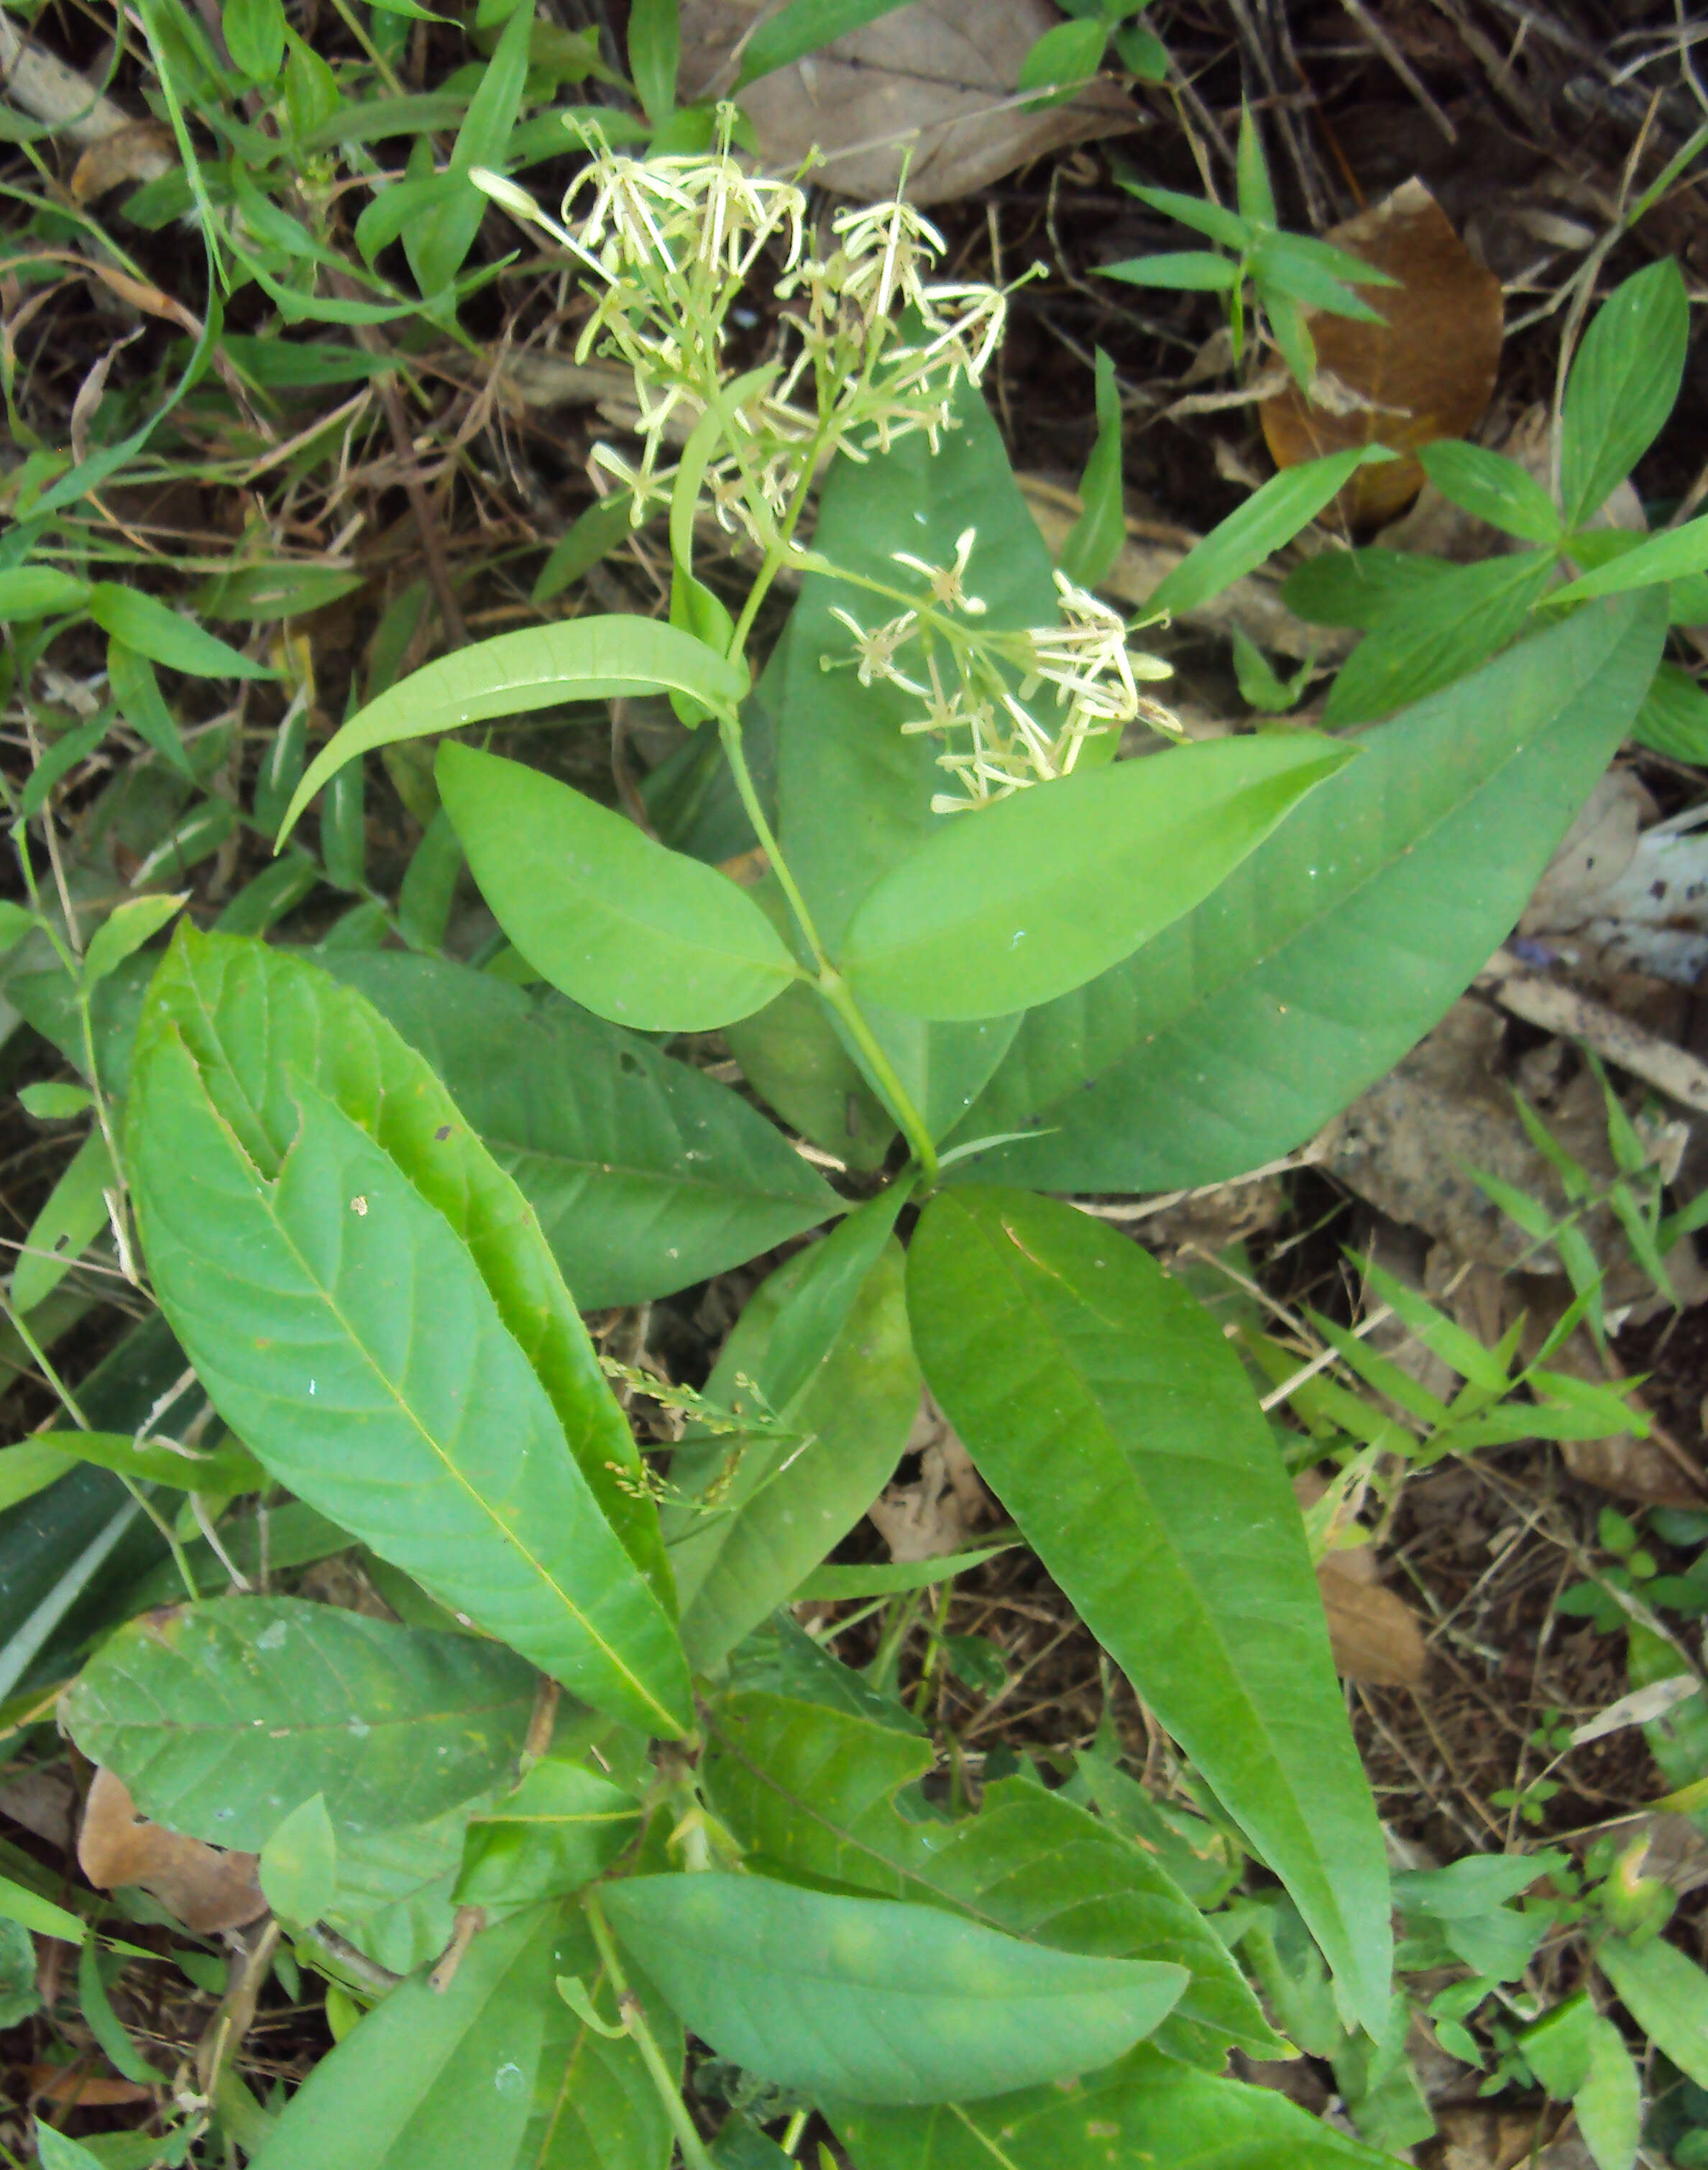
(267, 1195)
(1259, 959)
(1066, 1366)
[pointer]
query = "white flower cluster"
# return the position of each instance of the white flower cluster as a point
(872, 347)
(1012, 709)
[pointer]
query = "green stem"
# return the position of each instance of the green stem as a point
(630, 2009)
(830, 983)
(834, 989)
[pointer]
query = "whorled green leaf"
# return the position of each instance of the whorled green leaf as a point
(823, 1346)
(595, 2106)
(645, 1174)
(1024, 900)
(1336, 946)
(1439, 634)
(1104, 1409)
(1673, 719)
(559, 1829)
(222, 1717)
(1270, 517)
(374, 1312)
(1624, 381)
(869, 2000)
(1494, 488)
(813, 1794)
(432, 2080)
(588, 659)
(635, 933)
(1673, 554)
(1146, 2109)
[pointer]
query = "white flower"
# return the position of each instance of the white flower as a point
(885, 246)
(945, 581)
(877, 650)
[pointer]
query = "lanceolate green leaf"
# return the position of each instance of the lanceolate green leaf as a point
(636, 934)
(872, 2002)
(1245, 1026)
(588, 659)
(1104, 1408)
(789, 1500)
(254, 1018)
(1666, 1992)
(1270, 517)
(647, 1176)
(432, 2080)
(1672, 555)
(223, 1717)
(813, 1794)
(1027, 899)
(166, 636)
(1622, 386)
(328, 1284)
(1146, 2105)
(1437, 634)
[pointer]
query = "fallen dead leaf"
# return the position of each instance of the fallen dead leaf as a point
(1591, 857)
(1427, 370)
(43, 1800)
(1630, 1469)
(1482, 2136)
(1374, 1635)
(935, 80)
(943, 1508)
(207, 1888)
(1407, 1144)
(139, 152)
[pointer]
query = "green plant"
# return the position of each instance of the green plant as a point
(1425, 622)
(596, 1769)
(1286, 273)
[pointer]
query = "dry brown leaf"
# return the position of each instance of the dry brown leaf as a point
(1427, 370)
(1375, 1636)
(71, 2084)
(207, 1888)
(935, 78)
(945, 1506)
(1595, 851)
(43, 1800)
(1484, 2136)
(1408, 1144)
(139, 152)
(142, 296)
(1631, 1468)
